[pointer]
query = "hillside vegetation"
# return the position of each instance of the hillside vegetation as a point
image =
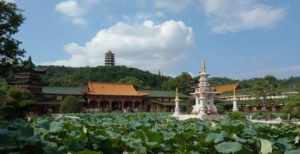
(71, 76)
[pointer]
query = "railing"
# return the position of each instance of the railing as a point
(247, 98)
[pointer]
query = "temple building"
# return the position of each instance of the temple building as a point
(117, 97)
(96, 96)
(29, 80)
(163, 101)
(114, 97)
(233, 98)
(109, 59)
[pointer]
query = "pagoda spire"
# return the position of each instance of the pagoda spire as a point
(203, 67)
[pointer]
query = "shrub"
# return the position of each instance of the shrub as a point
(293, 107)
(15, 103)
(236, 115)
(70, 104)
(3, 91)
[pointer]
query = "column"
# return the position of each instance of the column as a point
(235, 107)
(196, 101)
(122, 105)
(202, 102)
(110, 105)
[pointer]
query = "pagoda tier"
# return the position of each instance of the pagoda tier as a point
(29, 80)
(109, 59)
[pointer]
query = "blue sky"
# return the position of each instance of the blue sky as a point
(239, 39)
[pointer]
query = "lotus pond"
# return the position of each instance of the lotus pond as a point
(153, 133)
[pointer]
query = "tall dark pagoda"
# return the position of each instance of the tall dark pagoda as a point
(109, 59)
(28, 78)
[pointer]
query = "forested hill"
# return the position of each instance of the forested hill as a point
(72, 76)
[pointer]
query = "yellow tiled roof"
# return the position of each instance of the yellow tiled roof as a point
(112, 89)
(226, 88)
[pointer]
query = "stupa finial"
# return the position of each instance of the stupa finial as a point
(203, 67)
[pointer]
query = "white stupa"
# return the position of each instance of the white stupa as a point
(234, 103)
(204, 96)
(177, 108)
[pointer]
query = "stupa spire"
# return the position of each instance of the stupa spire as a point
(203, 67)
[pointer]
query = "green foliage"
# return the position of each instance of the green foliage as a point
(170, 84)
(145, 133)
(228, 147)
(183, 82)
(3, 91)
(133, 80)
(10, 52)
(28, 65)
(266, 146)
(270, 115)
(15, 103)
(69, 76)
(293, 152)
(70, 104)
(268, 86)
(214, 81)
(293, 106)
(236, 115)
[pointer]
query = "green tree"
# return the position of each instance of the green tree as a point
(10, 52)
(184, 82)
(265, 87)
(3, 91)
(28, 65)
(170, 84)
(293, 107)
(132, 80)
(15, 103)
(70, 104)
(273, 84)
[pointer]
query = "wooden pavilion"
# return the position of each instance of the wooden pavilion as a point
(106, 97)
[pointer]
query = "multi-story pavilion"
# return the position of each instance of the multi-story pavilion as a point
(109, 59)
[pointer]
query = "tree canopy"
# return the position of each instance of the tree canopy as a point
(293, 106)
(70, 76)
(70, 104)
(132, 80)
(14, 103)
(10, 51)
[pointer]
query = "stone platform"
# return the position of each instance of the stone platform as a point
(195, 116)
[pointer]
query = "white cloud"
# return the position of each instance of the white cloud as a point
(75, 10)
(239, 15)
(9, 1)
(147, 45)
(230, 15)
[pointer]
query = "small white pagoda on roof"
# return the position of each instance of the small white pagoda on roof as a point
(204, 96)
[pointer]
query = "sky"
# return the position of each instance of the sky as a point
(237, 38)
